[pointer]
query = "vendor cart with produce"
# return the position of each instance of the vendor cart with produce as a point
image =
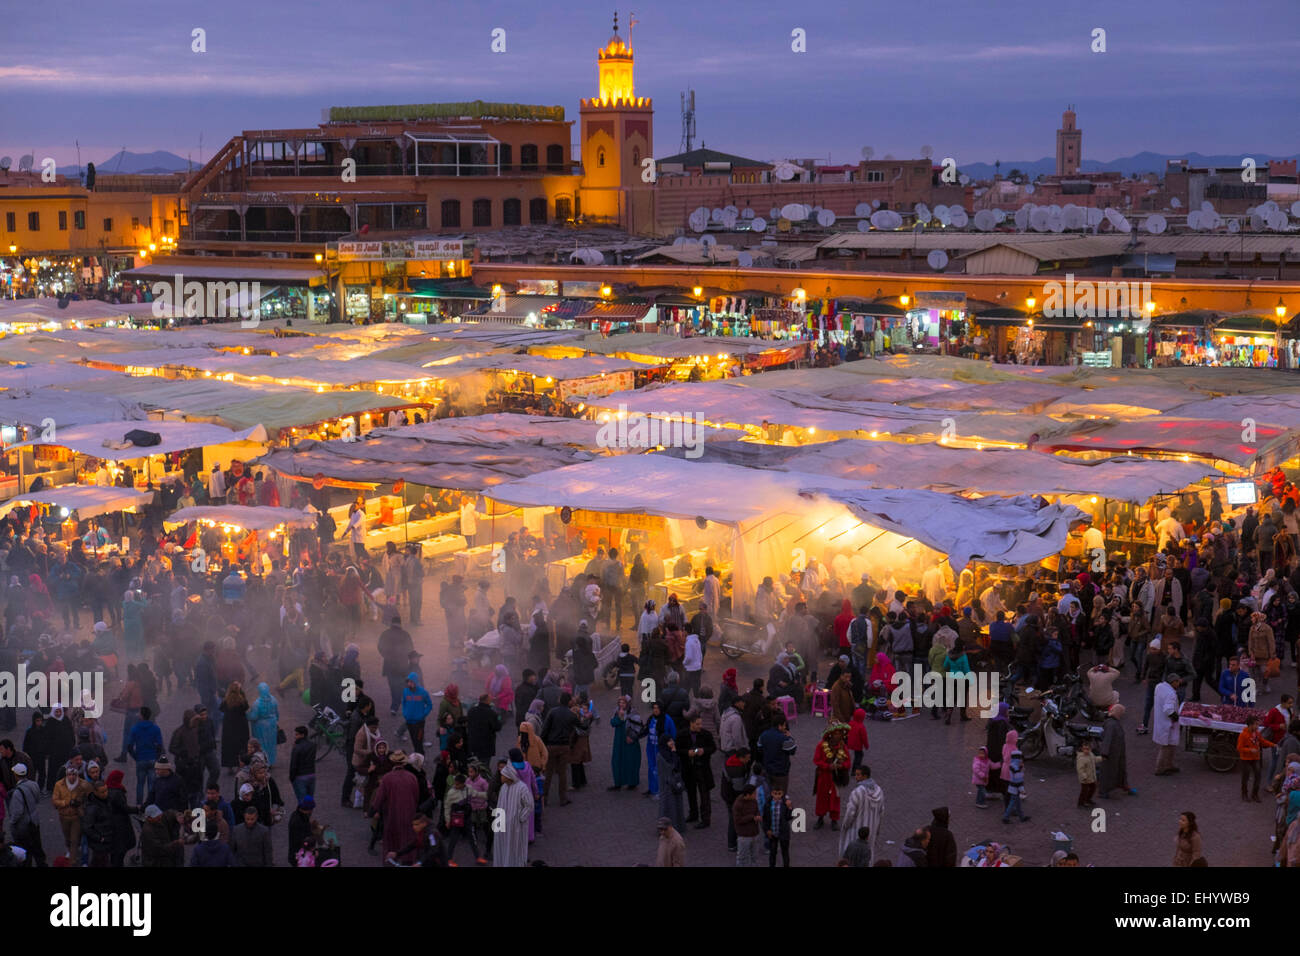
(1212, 729)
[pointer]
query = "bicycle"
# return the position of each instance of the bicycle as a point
(327, 730)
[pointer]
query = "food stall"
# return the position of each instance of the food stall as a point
(1212, 729)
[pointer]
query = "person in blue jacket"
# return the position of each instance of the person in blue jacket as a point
(1231, 683)
(144, 745)
(416, 707)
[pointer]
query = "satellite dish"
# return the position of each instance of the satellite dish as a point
(681, 242)
(958, 216)
(922, 212)
(868, 152)
(1155, 224)
(1176, 203)
(875, 204)
(864, 225)
(1055, 220)
(25, 163)
(747, 213)
(1295, 206)
(964, 179)
(774, 213)
(1001, 215)
(1095, 216)
(793, 210)
(758, 224)
(1234, 226)
(699, 220)
(985, 220)
(1039, 219)
(886, 219)
(744, 260)
(6, 162)
(716, 215)
(1256, 222)
(1029, 190)
(941, 213)
(1075, 217)
(1277, 221)
(701, 522)
(862, 209)
(927, 152)
(566, 514)
(785, 171)
(730, 211)
(708, 242)
(1207, 206)
(1022, 218)
(938, 260)
(826, 219)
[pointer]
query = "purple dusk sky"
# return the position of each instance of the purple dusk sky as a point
(976, 80)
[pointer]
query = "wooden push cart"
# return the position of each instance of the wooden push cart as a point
(1216, 739)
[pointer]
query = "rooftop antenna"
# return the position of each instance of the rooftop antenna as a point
(631, 22)
(688, 120)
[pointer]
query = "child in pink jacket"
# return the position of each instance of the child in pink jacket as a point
(857, 740)
(979, 775)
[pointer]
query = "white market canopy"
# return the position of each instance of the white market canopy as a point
(1010, 531)
(1220, 440)
(467, 454)
(995, 471)
(107, 439)
(87, 500)
(242, 516)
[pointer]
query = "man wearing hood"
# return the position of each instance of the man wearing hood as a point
(515, 801)
(416, 707)
(395, 648)
(863, 809)
(942, 850)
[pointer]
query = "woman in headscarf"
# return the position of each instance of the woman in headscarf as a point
(234, 725)
(881, 681)
(729, 690)
(625, 756)
(451, 712)
(530, 743)
(533, 719)
(995, 738)
(378, 764)
(780, 679)
(133, 607)
(659, 730)
(501, 689)
(39, 602)
(264, 721)
(539, 643)
(1113, 771)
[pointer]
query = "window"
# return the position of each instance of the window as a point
(79, 219)
(10, 223)
(555, 157)
(528, 157)
(874, 176)
(108, 225)
(537, 211)
(600, 156)
(451, 214)
(564, 209)
(34, 221)
(482, 212)
(135, 222)
(636, 156)
(505, 154)
(63, 221)
(511, 211)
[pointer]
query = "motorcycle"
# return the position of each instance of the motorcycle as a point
(1055, 728)
(740, 638)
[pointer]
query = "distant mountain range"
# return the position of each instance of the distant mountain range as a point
(1146, 162)
(159, 161)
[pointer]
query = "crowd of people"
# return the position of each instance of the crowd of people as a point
(241, 643)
